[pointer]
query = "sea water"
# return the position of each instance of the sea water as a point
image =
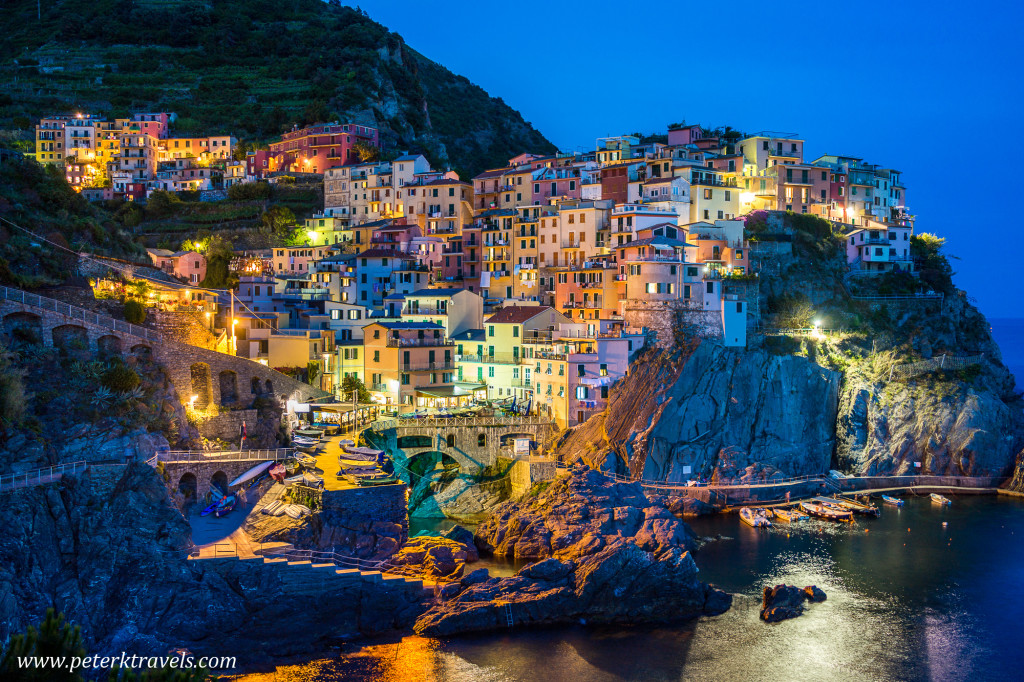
(922, 593)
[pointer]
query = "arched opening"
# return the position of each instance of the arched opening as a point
(70, 337)
(201, 384)
(419, 441)
(23, 328)
(270, 387)
(254, 386)
(228, 387)
(481, 440)
(141, 350)
(188, 486)
(220, 481)
(109, 346)
(450, 440)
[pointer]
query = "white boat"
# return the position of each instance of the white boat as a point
(755, 517)
(293, 511)
(251, 473)
(940, 499)
(369, 452)
(789, 515)
(279, 510)
(272, 507)
(303, 509)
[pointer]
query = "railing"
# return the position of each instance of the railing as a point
(444, 422)
(429, 366)
(496, 359)
(380, 388)
(41, 476)
(76, 313)
(951, 362)
(227, 455)
(413, 343)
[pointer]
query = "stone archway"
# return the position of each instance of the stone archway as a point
(188, 485)
(201, 387)
(228, 387)
(70, 337)
(141, 350)
(254, 386)
(220, 480)
(109, 345)
(23, 327)
(270, 387)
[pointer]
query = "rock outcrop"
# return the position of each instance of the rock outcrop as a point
(435, 558)
(786, 601)
(578, 515)
(346, 532)
(729, 414)
(620, 583)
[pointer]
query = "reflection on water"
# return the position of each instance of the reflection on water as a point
(908, 598)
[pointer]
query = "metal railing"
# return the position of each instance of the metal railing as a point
(168, 456)
(40, 476)
(442, 422)
(73, 312)
(950, 362)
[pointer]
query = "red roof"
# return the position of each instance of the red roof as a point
(517, 314)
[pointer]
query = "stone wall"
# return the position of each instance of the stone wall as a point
(228, 425)
(188, 327)
(662, 318)
(525, 473)
(460, 442)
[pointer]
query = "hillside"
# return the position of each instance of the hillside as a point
(250, 67)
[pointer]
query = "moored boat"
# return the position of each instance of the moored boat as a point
(888, 499)
(755, 517)
(789, 515)
(856, 506)
(940, 499)
(826, 511)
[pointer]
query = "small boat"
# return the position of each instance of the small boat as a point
(366, 452)
(251, 473)
(303, 509)
(829, 512)
(225, 506)
(296, 511)
(940, 499)
(789, 515)
(386, 479)
(755, 517)
(895, 501)
(856, 506)
(305, 460)
(272, 507)
(279, 510)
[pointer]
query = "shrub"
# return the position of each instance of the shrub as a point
(120, 378)
(134, 312)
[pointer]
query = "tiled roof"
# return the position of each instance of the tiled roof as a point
(409, 325)
(517, 314)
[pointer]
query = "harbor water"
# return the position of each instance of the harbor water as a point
(922, 593)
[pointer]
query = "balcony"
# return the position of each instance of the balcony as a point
(713, 181)
(418, 343)
(549, 355)
(538, 337)
(380, 388)
(424, 310)
(495, 359)
(571, 244)
(441, 366)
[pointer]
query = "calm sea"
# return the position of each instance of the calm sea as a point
(922, 593)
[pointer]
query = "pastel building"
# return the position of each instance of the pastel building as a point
(316, 148)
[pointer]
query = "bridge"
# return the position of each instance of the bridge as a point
(215, 378)
(473, 442)
(193, 473)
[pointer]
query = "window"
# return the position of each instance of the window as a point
(515, 332)
(490, 330)
(481, 440)
(405, 379)
(376, 356)
(707, 193)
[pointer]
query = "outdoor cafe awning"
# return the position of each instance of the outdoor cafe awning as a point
(455, 391)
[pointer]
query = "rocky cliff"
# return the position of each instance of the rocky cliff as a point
(608, 556)
(728, 414)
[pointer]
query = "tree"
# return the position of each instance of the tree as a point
(161, 203)
(932, 264)
(12, 392)
(278, 221)
(365, 151)
(55, 638)
(312, 372)
(219, 254)
(350, 385)
(134, 311)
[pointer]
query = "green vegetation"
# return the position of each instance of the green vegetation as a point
(350, 385)
(933, 266)
(218, 261)
(120, 378)
(12, 393)
(41, 200)
(134, 312)
(249, 67)
(55, 637)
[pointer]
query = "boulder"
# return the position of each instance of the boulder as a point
(786, 601)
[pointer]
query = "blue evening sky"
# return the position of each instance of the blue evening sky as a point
(931, 88)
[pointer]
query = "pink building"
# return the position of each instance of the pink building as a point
(316, 148)
(683, 135)
(187, 265)
(880, 247)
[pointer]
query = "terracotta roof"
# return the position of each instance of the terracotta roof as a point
(517, 314)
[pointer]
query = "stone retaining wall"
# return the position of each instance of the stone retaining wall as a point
(525, 473)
